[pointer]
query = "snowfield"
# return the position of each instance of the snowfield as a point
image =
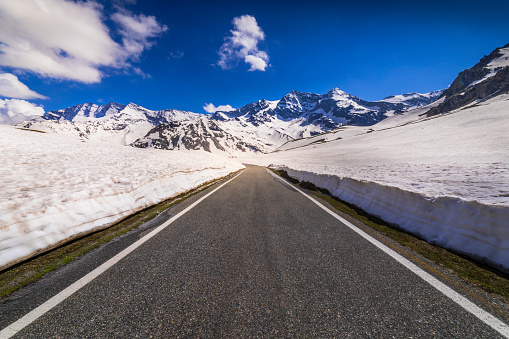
(55, 187)
(445, 178)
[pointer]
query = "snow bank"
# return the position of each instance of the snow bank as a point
(445, 177)
(468, 227)
(55, 187)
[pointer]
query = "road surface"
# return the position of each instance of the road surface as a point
(254, 259)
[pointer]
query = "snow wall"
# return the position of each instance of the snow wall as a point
(466, 227)
(41, 230)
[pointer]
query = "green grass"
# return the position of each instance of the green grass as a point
(473, 272)
(29, 271)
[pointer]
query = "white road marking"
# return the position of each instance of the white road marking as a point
(481, 314)
(30, 317)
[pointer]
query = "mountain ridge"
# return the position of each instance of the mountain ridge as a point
(260, 126)
(334, 107)
(489, 77)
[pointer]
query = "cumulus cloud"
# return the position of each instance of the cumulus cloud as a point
(242, 44)
(68, 39)
(257, 62)
(11, 87)
(14, 111)
(210, 108)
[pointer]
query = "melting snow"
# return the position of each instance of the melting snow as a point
(55, 187)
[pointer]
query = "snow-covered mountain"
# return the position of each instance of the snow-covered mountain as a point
(488, 78)
(260, 126)
(199, 134)
(113, 122)
(85, 112)
(264, 125)
(332, 109)
(443, 178)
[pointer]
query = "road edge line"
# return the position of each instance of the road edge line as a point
(40, 310)
(459, 299)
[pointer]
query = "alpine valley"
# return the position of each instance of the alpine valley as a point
(436, 164)
(264, 126)
(261, 126)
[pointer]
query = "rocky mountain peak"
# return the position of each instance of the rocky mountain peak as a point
(489, 77)
(259, 126)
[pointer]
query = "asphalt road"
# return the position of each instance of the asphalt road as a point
(255, 259)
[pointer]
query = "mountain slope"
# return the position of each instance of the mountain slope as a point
(116, 123)
(199, 134)
(330, 110)
(489, 77)
(260, 126)
(85, 112)
(443, 178)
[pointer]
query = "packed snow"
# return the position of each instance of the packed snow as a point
(55, 187)
(445, 177)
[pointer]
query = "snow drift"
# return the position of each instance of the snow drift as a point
(467, 227)
(55, 187)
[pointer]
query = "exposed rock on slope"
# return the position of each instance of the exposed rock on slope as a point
(490, 76)
(330, 110)
(260, 126)
(200, 134)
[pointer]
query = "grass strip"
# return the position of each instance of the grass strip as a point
(473, 272)
(31, 270)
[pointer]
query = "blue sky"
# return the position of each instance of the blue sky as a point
(166, 54)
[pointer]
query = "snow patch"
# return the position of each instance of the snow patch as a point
(501, 61)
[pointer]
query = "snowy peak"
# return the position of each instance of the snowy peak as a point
(406, 102)
(295, 104)
(338, 95)
(414, 99)
(328, 111)
(85, 112)
(252, 108)
(114, 123)
(260, 126)
(132, 112)
(501, 59)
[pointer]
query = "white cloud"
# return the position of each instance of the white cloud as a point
(14, 111)
(68, 39)
(210, 108)
(242, 44)
(136, 30)
(11, 87)
(176, 55)
(257, 63)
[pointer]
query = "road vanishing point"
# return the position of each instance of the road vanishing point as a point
(253, 257)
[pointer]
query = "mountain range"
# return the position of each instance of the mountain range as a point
(265, 125)
(260, 126)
